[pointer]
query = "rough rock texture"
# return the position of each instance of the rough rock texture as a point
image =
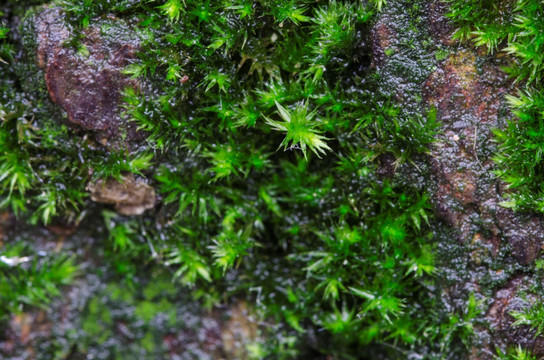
(468, 98)
(507, 300)
(241, 329)
(439, 26)
(484, 244)
(221, 334)
(87, 82)
(131, 196)
(467, 90)
(381, 41)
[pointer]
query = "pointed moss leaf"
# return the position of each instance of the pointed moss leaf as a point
(362, 293)
(301, 129)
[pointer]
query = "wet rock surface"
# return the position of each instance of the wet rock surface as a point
(467, 88)
(87, 81)
(440, 27)
(512, 297)
(137, 319)
(468, 92)
(129, 195)
(491, 244)
(381, 42)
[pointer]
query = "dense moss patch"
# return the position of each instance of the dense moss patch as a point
(287, 145)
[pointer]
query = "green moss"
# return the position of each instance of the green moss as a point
(26, 279)
(516, 353)
(282, 169)
(149, 342)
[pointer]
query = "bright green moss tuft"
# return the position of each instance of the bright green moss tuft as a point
(516, 353)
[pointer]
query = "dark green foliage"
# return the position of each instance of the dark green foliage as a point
(23, 147)
(278, 163)
(533, 316)
(485, 22)
(27, 278)
(356, 245)
(521, 152)
(515, 354)
(4, 49)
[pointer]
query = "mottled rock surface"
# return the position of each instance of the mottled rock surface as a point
(87, 81)
(467, 88)
(220, 334)
(130, 196)
(469, 97)
(484, 244)
(512, 297)
(468, 91)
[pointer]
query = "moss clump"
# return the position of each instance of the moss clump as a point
(28, 279)
(281, 165)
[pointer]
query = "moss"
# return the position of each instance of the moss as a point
(28, 280)
(280, 155)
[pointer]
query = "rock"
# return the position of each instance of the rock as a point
(21, 332)
(7, 221)
(239, 331)
(441, 28)
(87, 82)
(224, 334)
(130, 196)
(468, 97)
(468, 91)
(381, 40)
(507, 300)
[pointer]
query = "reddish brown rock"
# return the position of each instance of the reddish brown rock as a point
(7, 220)
(241, 330)
(468, 95)
(381, 38)
(506, 301)
(87, 81)
(441, 28)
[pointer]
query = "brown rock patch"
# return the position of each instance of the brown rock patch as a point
(468, 93)
(130, 196)
(87, 82)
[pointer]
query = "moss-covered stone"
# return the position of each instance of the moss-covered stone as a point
(377, 232)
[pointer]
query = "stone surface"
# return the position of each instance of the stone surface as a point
(468, 97)
(130, 196)
(482, 244)
(87, 81)
(440, 26)
(507, 300)
(381, 36)
(468, 91)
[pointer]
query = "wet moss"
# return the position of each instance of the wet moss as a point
(331, 236)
